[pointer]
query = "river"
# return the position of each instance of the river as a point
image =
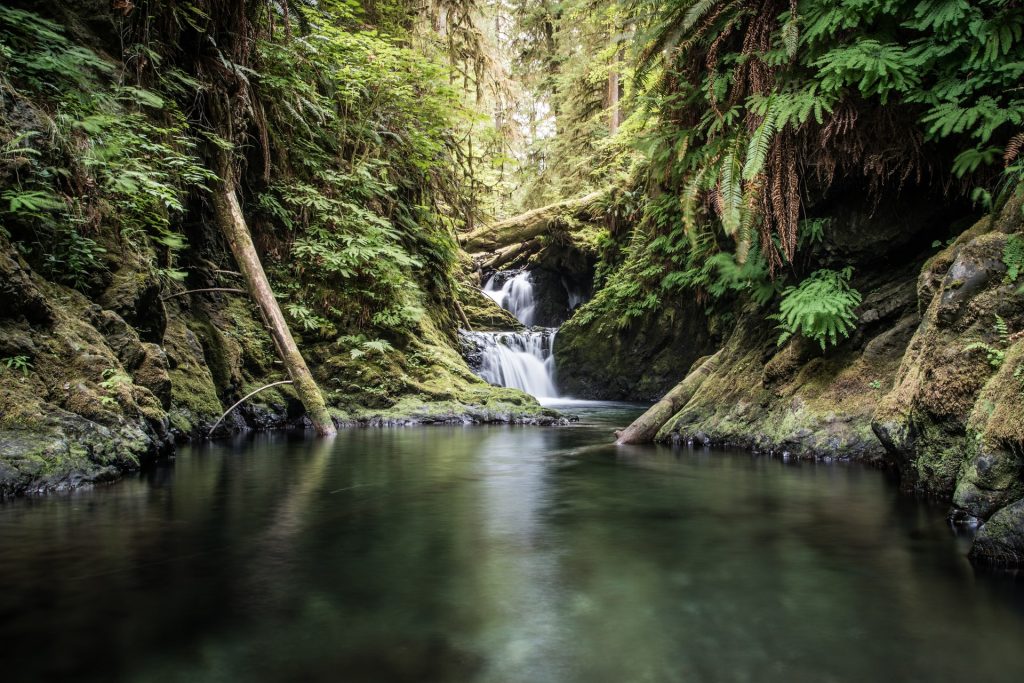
(496, 554)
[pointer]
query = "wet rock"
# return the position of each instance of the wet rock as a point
(68, 451)
(152, 371)
(1000, 540)
(553, 299)
(134, 296)
(19, 297)
(595, 359)
(119, 335)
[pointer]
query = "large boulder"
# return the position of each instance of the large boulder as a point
(595, 359)
(796, 398)
(942, 421)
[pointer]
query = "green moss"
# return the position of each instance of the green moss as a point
(194, 399)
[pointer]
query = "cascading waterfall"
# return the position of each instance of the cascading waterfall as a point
(521, 360)
(515, 296)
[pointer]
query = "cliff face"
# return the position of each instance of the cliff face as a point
(637, 364)
(954, 421)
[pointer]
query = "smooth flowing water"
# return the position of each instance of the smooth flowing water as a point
(520, 360)
(514, 294)
(495, 554)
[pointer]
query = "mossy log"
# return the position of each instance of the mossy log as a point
(645, 427)
(231, 222)
(532, 224)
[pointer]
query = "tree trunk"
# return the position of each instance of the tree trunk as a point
(645, 427)
(613, 102)
(232, 224)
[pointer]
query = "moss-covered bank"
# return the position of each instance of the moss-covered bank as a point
(930, 383)
(86, 395)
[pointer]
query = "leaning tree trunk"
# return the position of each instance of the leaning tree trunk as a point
(232, 223)
(645, 427)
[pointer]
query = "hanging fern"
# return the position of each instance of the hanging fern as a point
(819, 308)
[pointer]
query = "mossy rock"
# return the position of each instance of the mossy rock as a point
(950, 412)
(1000, 540)
(799, 399)
(596, 360)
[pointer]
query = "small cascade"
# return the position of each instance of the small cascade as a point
(521, 360)
(515, 295)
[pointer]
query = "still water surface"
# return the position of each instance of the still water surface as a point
(495, 554)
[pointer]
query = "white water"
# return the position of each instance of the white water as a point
(521, 360)
(515, 296)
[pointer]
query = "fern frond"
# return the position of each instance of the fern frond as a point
(820, 308)
(760, 144)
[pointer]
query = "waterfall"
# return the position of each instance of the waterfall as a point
(521, 360)
(515, 296)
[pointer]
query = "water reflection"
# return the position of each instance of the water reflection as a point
(499, 555)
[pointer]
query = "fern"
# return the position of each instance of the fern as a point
(1013, 257)
(994, 354)
(760, 143)
(876, 69)
(819, 308)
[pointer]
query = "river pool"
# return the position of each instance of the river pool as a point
(496, 554)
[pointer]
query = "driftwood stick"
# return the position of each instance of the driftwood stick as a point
(232, 290)
(243, 400)
(462, 315)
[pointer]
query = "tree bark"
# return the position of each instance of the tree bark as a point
(613, 102)
(232, 224)
(645, 427)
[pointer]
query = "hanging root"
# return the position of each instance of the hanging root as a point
(243, 400)
(230, 290)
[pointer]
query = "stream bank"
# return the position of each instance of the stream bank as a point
(124, 324)
(116, 380)
(929, 383)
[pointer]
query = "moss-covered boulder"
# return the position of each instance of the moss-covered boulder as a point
(595, 359)
(70, 412)
(1000, 540)
(797, 398)
(954, 409)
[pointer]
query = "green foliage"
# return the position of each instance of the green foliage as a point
(876, 75)
(364, 179)
(994, 354)
(96, 156)
(111, 383)
(819, 308)
(17, 364)
(738, 103)
(1013, 257)
(355, 202)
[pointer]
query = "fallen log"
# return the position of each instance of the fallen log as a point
(644, 428)
(526, 226)
(509, 254)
